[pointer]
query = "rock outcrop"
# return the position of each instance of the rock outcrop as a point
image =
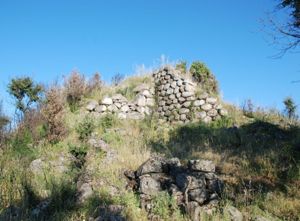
(195, 186)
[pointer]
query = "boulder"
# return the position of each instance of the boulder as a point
(91, 106)
(101, 108)
(149, 185)
(153, 165)
(234, 213)
(201, 165)
(140, 100)
(107, 101)
(187, 94)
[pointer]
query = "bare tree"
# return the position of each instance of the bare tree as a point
(285, 28)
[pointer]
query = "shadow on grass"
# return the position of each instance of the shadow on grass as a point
(256, 143)
(62, 204)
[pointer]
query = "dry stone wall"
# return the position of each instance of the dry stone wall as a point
(141, 106)
(173, 96)
(177, 99)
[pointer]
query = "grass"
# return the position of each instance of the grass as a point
(258, 158)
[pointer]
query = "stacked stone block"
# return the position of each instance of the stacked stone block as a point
(118, 104)
(177, 101)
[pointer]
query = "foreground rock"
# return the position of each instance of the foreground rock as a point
(195, 187)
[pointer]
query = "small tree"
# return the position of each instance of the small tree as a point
(75, 87)
(25, 91)
(290, 107)
(53, 112)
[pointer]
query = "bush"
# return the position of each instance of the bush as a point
(94, 84)
(85, 128)
(248, 108)
(75, 88)
(53, 112)
(202, 74)
(117, 79)
(3, 123)
(181, 66)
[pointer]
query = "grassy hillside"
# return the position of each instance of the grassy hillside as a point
(257, 156)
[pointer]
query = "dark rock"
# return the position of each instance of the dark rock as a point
(153, 165)
(202, 165)
(148, 185)
(199, 195)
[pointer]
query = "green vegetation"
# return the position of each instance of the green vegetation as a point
(206, 79)
(85, 128)
(256, 152)
(25, 91)
(290, 107)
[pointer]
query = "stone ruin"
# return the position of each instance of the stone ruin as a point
(173, 97)
(117, 104)
(177, 99)
(195, 186)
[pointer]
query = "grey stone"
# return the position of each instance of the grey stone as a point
(37, 166)
(193, 209)
(178, 95)
(207, 119)
(140, 100)
(184, 111)
(147, 94)
(187, 104)
(223, 112)
(199, 195)
(119, 97)
(261, 218)
(149, 185)
(183, 117)
(122, 115)
(211, 100)
(234, 213)
(170, 91)
(135, 115)
(92, 105)
(152, 165)
(174, 84)
(200, 115)
(167, 86)
(212, 113)
(202, 165)
(85, 192)
(206, 107)
(172, 96)
(189, 88)
(203, 96)
(107, 101)
(198, 103)
(150, 102)
(125, 108)
(187, 94)
(101, 108)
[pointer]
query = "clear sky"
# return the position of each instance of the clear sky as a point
(48, 39)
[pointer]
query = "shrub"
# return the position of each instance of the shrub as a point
(75, 88)
(117, 79)
(94, 84)
(202, 74)
(108, 121)
(248, 108)
(3, 123)
(290, 107)
(85, 128)
(181, 66)
(53, 112)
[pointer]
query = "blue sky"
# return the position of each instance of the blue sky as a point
(48, 39)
